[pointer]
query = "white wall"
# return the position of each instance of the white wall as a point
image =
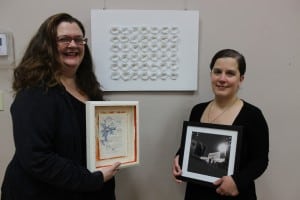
(267, 32)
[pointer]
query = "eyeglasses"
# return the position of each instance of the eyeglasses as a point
(66, 40)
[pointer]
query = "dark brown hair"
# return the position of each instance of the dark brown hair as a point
(40, 64)
(231, 53)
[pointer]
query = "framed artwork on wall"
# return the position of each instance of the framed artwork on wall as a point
(145, 50)
(112, 133)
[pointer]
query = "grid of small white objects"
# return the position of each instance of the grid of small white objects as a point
(144, 53)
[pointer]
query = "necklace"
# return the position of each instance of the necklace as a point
(221, 113)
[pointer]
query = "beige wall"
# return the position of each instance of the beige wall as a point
(267, 32)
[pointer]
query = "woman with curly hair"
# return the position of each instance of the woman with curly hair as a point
(52, 82)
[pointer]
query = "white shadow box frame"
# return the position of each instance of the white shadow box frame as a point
(112, 133)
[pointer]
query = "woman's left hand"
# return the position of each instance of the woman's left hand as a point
(226, 186)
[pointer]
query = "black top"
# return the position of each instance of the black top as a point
(79, 109)
(49, 160)
(254, 154)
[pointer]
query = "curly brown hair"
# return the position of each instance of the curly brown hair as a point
(40, 64)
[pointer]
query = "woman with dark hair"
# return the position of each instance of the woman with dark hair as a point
(227, 74)
(52, 82)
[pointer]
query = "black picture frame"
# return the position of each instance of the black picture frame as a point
(209, 151)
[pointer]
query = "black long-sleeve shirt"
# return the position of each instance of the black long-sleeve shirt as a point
(49, 160)
(253, 155)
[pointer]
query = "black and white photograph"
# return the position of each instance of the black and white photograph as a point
(210, 151)
(209, 154)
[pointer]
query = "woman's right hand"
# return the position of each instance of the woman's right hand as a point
(110, 171)
(176, 169)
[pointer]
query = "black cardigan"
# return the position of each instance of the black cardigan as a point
(49, 161)
(254, 154)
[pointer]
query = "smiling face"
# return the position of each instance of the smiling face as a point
(70, 54)
(226, 77)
